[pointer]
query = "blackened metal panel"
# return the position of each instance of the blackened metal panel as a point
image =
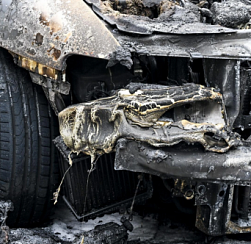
(221, 46)
(225, 75)
(214, 203)
(185, 161)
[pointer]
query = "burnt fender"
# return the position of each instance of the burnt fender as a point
(47, 31)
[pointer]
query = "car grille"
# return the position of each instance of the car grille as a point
(107, 191)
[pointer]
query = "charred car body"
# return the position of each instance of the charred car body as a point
(164, 84)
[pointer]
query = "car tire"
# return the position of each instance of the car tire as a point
(28, 166)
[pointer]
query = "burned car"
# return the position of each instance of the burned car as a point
(150, 87)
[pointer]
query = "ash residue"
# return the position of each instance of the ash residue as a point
(33, 236)
(157, 222)
(122, 56)
(5, 207)
(110, 233)
(231, 13)
(133, 7)
(186, 12)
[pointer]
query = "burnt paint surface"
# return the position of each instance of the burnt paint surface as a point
(94, 127)
(48, 31)
(221, 46)
(133, 18)
(184, 161)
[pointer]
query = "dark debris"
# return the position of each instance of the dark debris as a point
(230, 14)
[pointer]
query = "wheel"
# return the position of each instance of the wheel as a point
(28, 166)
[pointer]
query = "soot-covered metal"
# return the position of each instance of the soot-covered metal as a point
(166, 85)
(186, 131)
(174, 16)
(154, 114)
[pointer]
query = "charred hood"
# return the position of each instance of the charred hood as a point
(48, 32)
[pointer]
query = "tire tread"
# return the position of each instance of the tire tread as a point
(28, 166)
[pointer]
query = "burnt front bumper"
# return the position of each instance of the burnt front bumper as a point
(177, 132)
(185, 161)
(222, 181)
(158, 115)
